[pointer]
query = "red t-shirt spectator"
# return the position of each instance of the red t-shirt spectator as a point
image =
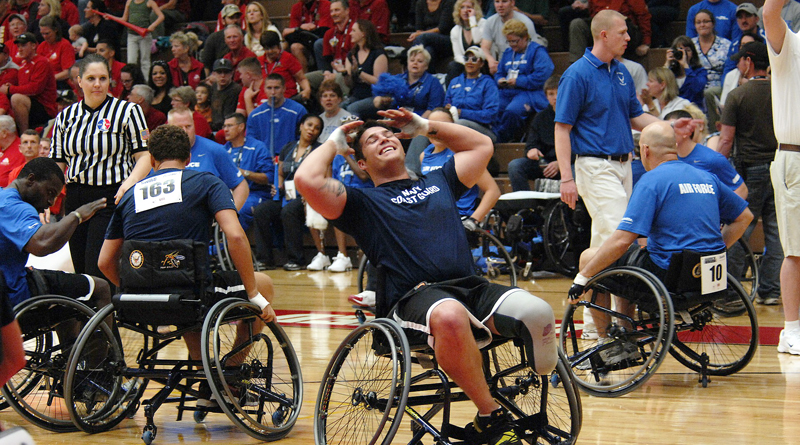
(337, 43)
(317, 12)
(260, 98)
(69, 12)
(287, 66)
(375, 11)
(193, 78)
(60, 54)
(9, 75)
(201, 126)
(37, 81)
(154, 118)
(243, 53)
(116, 86)
(10, 159)
(5, 104)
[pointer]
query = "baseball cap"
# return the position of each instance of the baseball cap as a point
(756, 51)
(748, 8)
(476, 51)
(222, 65)
(25, 38)
(18, 16)
(230, 10)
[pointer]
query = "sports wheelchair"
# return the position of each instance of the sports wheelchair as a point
(375, 377)
(220, 254)
(712, 333)
(543, 232)
(253, 373)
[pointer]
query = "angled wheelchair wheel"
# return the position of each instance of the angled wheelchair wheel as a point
(99, 389)
(362, 274)
(49, 324)
(222, 253)
(523, 392)
(364, 389)
(636, 344)
(252, 369)
(729, 341)
(749, 277)
(499, 266)
(559, 232)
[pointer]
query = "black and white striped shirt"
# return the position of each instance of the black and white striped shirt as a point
(98, 145)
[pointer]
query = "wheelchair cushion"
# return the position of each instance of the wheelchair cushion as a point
(163, 265)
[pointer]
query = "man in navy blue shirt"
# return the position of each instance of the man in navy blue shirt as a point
(676, 206)
(276, 125)
(208, 156)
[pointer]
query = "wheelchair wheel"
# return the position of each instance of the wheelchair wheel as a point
(253, 372)
(99, 392)
(636, 345)
(558, 233)
(37, 391)
(500, 267)
(749, 277)
(521, 391)
(365, 387)
(729, 342)
(222, 252)
(362, 274)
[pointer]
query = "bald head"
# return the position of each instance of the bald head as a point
(605, 20)
(658, 139)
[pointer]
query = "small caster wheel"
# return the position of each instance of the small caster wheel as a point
(704, 381)
(493, 272)
(200, 416)
(360, 316)
(279, 416)
(147, 437)
(554, 380)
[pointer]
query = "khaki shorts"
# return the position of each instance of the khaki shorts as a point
(785, 172)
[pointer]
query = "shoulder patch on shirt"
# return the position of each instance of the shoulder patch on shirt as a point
(144, 134)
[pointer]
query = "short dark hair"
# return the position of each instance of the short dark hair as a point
(169, 142)
(31, 132)
(240, 118)
(330, 85)
(276, 76)
(345, 3)
(251, 65)
(270, 39)
(552, 82)
(109, 43)
(357, 139)
(98, 5)
(93, 58)
(42, 169)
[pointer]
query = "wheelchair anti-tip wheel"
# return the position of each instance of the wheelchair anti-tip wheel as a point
(635, 344)
(365, 387)
(252, 369)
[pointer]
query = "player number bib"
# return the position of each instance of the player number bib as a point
(158, 191)
(713, 273)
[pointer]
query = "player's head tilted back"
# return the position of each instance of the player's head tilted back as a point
(363, 135)
(169, 142)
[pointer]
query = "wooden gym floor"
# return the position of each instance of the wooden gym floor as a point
(759, 404)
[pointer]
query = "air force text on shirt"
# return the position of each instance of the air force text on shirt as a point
(415, 194)
(706, 189)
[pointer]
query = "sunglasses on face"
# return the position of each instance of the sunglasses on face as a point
(472, 58)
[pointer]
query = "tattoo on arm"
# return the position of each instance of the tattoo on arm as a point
(433, 132)
(333, 186)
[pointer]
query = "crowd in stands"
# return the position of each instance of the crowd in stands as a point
(249, 84)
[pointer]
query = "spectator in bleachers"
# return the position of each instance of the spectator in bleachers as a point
(185, 69)
(234, 38)
(662, 13)
(97, 28)
(252, 94)
(221, 22)
(375, 12)
(416, 89)
(275, 123)
(734, 78)
(276, 60)
(160, 80)
(494, 42)
(684, 62)
(203, 106)
(129, 75)
(224, 93)
(107, 49)
(724, 14)
(69, 12)
(5, 12)
(48, 8)
(540, 147)
(434, 20)
(637, 72)
(578, 9)
(365, 62)
(33, 100)
(661, 95)
(330, 99)
(56, 49)
(637, 18)
(713, 51)
(142, 95)
(258, 23)
(790, 13)
(9, 70)
(536, 10)
(467, 32)
(472, 97)
(308, 22)
(333, 47)
(185, 98)
(747, 20)
(26, 8)
(214, 48)
(28, 148)
(521, 73)
(10, 156)
(74, 79)
(79, 42)
(175, 12)
(16, 27)
(145, 14)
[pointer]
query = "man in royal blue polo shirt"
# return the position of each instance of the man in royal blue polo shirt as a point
(285, 115)
(208, 156)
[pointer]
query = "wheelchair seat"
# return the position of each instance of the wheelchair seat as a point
(684, 279)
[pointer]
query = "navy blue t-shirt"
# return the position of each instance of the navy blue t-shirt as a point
(678, 207)
(433, 161)
(202, 196)
(411, 228)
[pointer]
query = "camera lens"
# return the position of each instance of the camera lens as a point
(678, 54)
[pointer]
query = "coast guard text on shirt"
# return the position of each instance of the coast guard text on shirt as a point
(415, 194)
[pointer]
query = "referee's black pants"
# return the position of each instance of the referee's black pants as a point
(85, 244)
